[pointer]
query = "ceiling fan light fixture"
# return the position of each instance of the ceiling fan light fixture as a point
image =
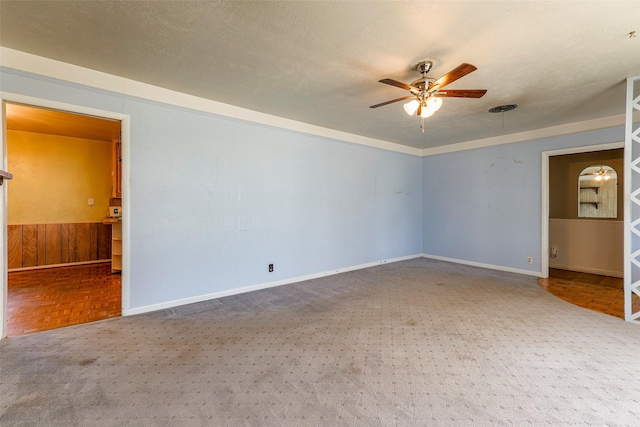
(434, 103)
(411, 107)
(426, 112)
(602, 174)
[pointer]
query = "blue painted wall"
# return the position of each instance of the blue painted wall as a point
(484, 205)
(215, 200)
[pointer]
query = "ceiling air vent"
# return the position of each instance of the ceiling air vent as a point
(503, 108)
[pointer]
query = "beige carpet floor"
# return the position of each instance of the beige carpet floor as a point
(418, 342)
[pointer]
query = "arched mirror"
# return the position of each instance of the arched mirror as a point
(598, 192)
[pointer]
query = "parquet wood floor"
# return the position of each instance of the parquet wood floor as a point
(40, 300)
(600, 293)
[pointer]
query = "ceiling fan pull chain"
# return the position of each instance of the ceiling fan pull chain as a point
(422, 124)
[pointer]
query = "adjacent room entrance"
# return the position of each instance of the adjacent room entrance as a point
(64, 232)
(585, 246)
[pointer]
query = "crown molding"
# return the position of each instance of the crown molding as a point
(565, 129)
(54, 69)
(63, 71)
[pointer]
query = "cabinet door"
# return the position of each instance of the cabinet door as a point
(116, 168)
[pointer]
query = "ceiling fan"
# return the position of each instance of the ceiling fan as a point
(426, 92)
(592, 172)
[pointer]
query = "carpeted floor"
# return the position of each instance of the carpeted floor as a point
(419, 342)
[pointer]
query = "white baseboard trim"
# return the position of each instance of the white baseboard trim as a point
(236, 291)
(582, 269)
(483, 265)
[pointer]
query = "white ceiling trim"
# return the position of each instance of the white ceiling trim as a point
(68, 72)
(566, 129)
(26, 62)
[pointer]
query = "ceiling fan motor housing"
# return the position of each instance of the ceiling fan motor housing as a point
(424, 67)
(423, 83)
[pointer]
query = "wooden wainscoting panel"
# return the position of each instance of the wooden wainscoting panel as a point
(83, 242)
(65, 253)
(52, 244)
(42, 248)
(93, 242)
(14, 246)
(73, 242)
(29, 245)
(36, 245)
(104, 241)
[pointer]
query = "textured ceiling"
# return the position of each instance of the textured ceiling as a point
(319, 62)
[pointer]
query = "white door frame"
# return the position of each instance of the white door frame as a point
(544, 238)
(126, 240)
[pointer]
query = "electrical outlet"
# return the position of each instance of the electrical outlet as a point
(529, 260)
(91, 202)
(270, 268)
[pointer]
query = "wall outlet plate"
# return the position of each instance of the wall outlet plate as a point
(529, 260)
(270, 268)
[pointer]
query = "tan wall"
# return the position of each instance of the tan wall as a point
(563, 180)
(54, 176)
(589, 246)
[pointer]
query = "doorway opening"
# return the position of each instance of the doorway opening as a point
(583, 227)
(64, 230)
